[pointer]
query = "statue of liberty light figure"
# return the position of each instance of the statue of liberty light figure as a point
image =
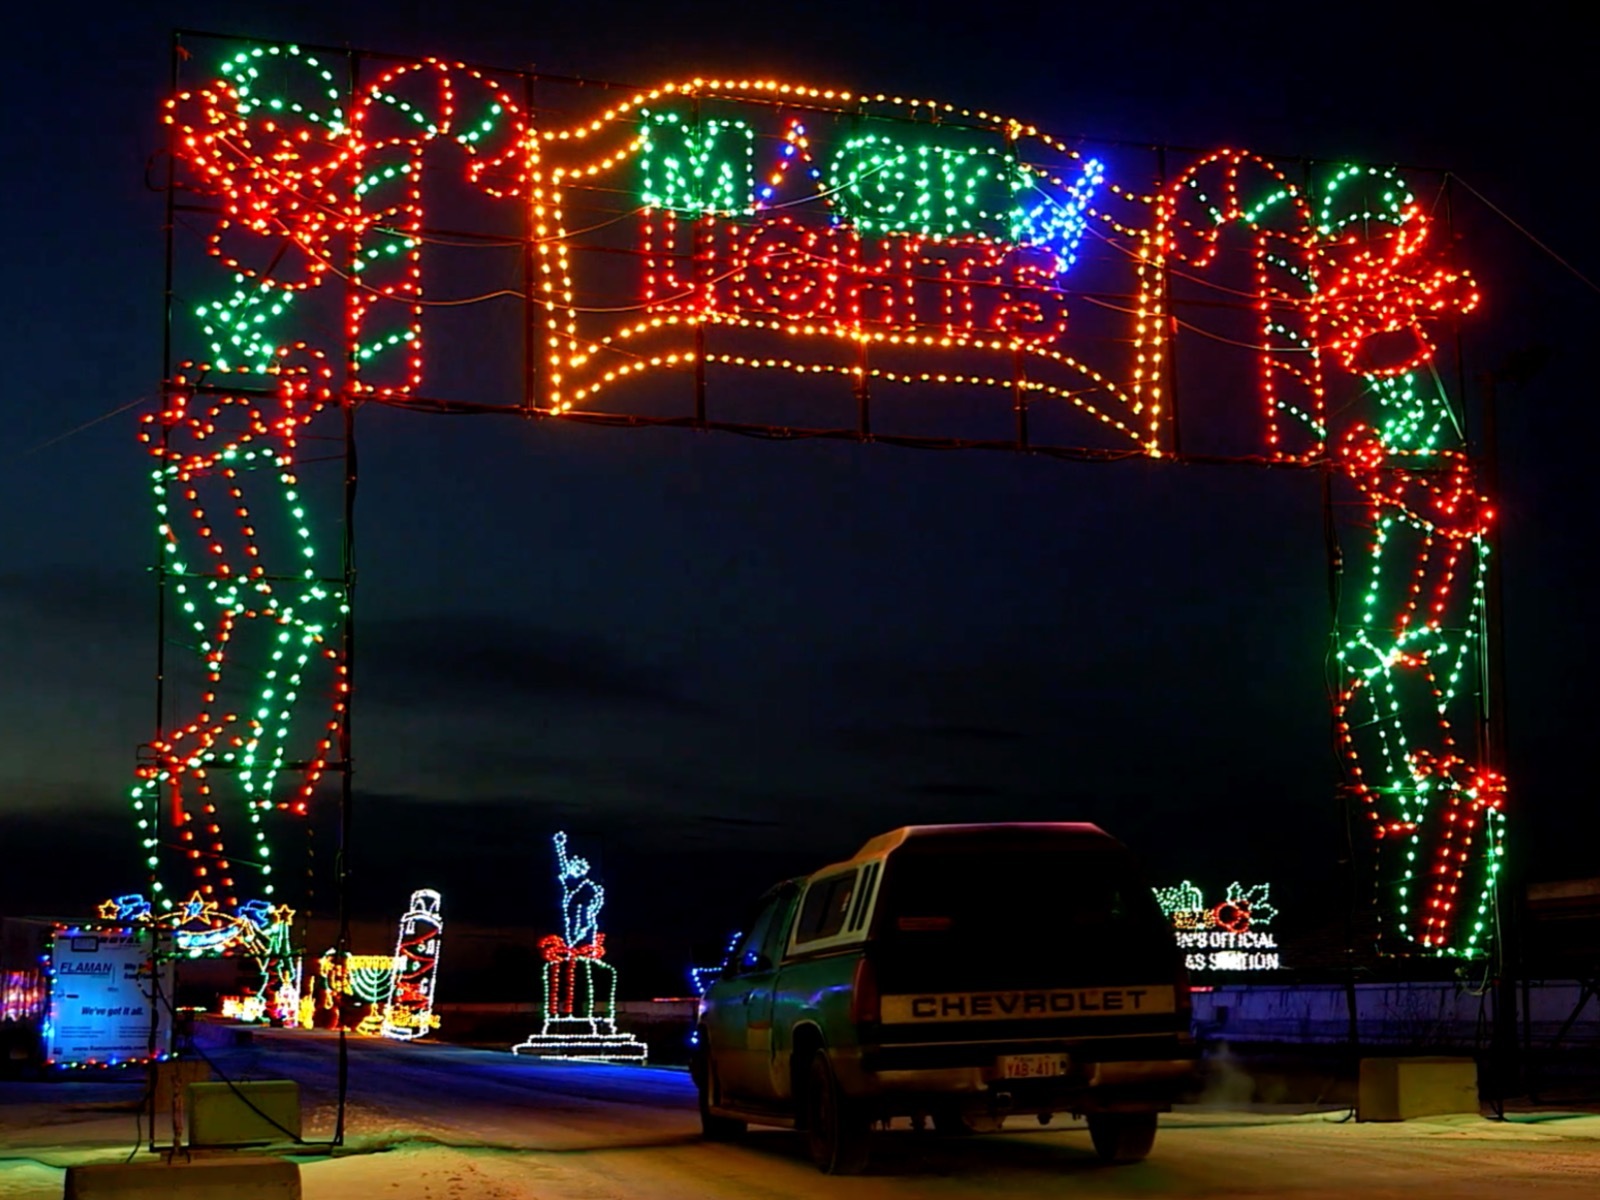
(582, 946)
(580, 987)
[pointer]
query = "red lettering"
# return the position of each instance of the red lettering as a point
(777, 267)
(879, 286)
(787, 272)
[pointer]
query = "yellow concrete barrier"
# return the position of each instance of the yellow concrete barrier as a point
(1398, 1089)
(239, 1114)
(231, 1178)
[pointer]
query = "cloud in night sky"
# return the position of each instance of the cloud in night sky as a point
(80, 596)
(467, 660)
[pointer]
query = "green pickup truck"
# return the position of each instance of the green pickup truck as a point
(952, 974)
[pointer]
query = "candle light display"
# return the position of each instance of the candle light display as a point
(864, 241)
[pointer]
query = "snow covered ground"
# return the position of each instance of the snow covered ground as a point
(447, 1123)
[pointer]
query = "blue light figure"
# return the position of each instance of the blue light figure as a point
(581, 897)
(1057, 224)
(580, 987)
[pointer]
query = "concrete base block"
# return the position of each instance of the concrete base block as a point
(230, 1178)
(1398, 1089)
(239, 1114)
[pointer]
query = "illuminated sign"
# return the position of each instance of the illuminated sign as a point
(104, 1009)
(886, 250)
(1227, 936)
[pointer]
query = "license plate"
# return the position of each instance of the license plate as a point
(1032, 1066)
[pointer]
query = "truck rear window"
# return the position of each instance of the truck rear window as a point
(826, 904)
(1002, 899)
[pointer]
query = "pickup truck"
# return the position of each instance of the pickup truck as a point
(952, 974)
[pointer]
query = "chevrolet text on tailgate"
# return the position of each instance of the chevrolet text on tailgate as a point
(952, 974)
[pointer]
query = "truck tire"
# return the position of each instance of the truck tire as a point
(837, 1131)
(1122, 1137)
(714, 1128)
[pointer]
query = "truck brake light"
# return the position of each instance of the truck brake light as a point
(865, 1002)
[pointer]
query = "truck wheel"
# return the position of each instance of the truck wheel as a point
(714, 1128)
(1122, 1137)
(837, 1130)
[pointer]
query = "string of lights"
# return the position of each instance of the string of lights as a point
(765, 226)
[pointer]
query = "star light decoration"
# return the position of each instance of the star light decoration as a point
(876, 239)
(256, 929)
(200, 927)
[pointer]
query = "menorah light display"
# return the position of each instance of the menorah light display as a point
(348, 984)
(580, 987)
(865, 244)
(393, 993)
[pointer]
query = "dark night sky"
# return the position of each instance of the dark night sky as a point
(717, 660)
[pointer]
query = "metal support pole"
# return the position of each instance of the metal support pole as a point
(348, 637)
(169, 230)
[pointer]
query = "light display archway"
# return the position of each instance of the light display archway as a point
(877, 250)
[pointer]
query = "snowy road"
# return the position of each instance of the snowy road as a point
(447, 1123)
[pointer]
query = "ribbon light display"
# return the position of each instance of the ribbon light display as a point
(883, 248)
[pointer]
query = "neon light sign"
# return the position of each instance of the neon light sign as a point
(1228, 936)
(871, 241)
(966, 242)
